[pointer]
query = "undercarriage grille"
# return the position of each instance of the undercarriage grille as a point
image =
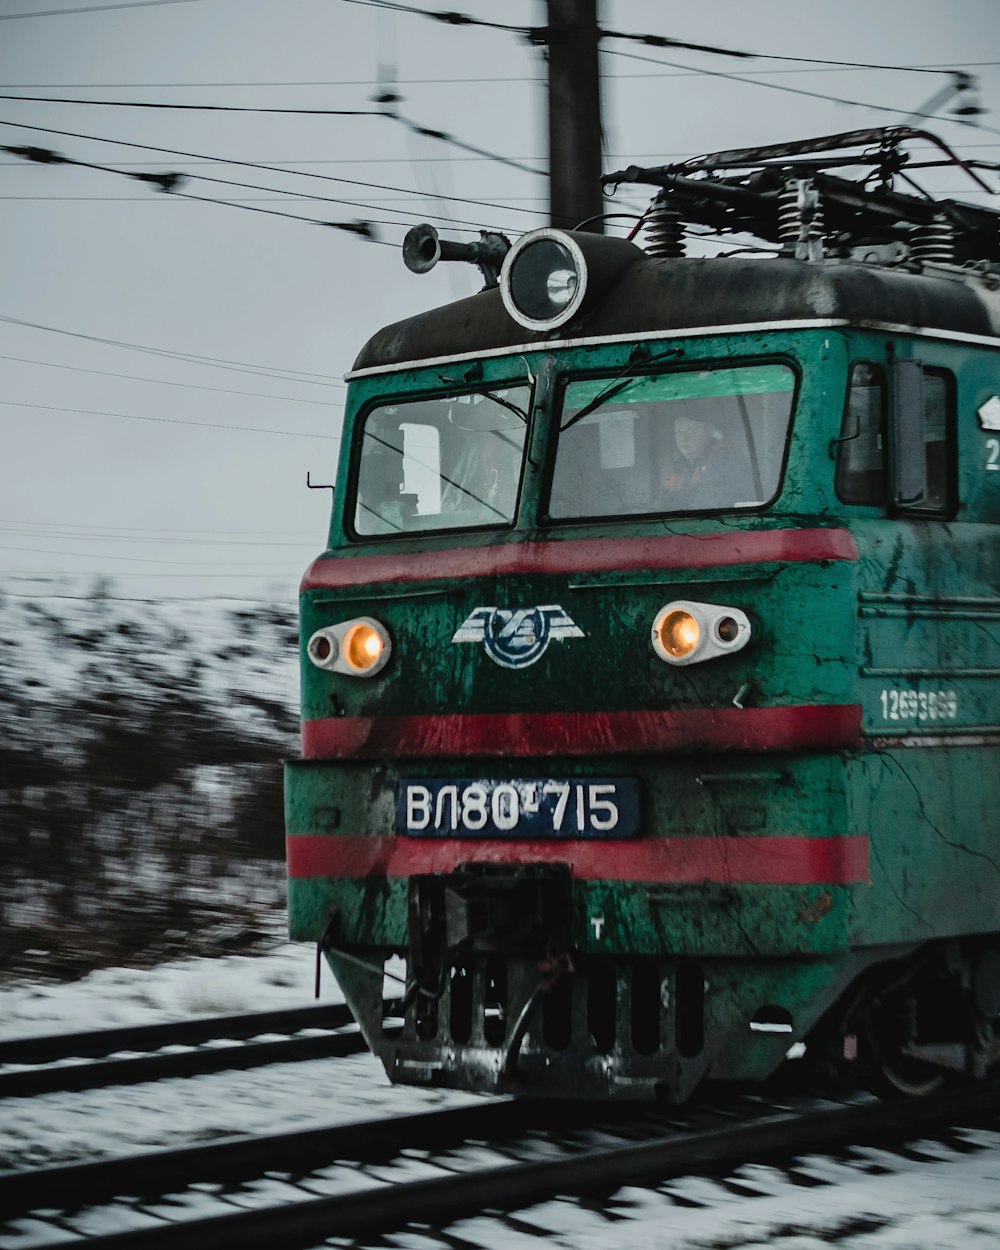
(506, 1021)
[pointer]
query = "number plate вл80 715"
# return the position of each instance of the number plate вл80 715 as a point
(532, 807)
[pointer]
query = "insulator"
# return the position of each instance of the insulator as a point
(788, 213)
(800, 218)
(664, 230)
(933, 242)
(817, 227)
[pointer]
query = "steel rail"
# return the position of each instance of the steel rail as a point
(98, 1043)
(30, 1081)
(74, 1078)
(236, 1158)
(804, 1125)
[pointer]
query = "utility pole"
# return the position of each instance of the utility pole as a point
(574, 114)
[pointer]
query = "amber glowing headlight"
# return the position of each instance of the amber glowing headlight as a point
(364, 648)
(687, 633)
(679, 634)
(358, 648)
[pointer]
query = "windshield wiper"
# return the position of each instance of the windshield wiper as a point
(616, 386)
(504, 403)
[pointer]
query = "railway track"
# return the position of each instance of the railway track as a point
(79, 1061)
(425, 1172)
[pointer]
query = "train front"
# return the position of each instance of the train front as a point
(575, 697)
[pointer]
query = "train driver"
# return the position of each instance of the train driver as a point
(698, 473)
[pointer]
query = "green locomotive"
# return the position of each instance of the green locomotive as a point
(651, 677)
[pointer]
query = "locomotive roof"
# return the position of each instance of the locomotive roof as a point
(654, 296)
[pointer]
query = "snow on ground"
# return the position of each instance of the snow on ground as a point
(281, 1098)
(68, 1127)
(950, 1202)
(878, 1201)
(239, 656)
(116, 997)
(140, 773)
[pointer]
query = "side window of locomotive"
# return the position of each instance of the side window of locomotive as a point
(706, 440)
(862, 462)
(861, 471)
(939, 441)
(449, 462)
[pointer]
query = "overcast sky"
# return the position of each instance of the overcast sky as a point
(277, 309)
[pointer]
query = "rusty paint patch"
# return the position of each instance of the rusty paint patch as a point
(813, 911)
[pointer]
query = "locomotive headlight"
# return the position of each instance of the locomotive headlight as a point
(679, 634)
(560, 286)
(358, 648)
(549, 276)
(545, 282)
(364, 646)
(687, 633)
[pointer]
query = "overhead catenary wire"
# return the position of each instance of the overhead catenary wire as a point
(463, 145)
(427, 131)
(815, 95)
(539, 35)
(273, 169)
(513, 203)
(100, 555)
(34, 577)
(20, 576)
(362, 229)
(192, 386)
(663, 41)
(433, 160)
(832, 67)
(248, 150)
(345, 160)
(291, 82)
(212, 362)
(180, 542)
(197, 108)
(202, 425)
(95, 8)
(169, 183)
(450, 18)
(443, 137)
(143, 529)
(305, 195)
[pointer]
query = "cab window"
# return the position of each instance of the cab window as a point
(861, 469)
(444, 462)
(693, 440)
(923, 412)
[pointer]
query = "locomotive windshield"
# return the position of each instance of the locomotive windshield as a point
(449, 462)
(685, 441)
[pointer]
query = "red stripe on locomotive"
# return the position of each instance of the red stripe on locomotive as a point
(592, 555)
(742, 860)
(797, 728)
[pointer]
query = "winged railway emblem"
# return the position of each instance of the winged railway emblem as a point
(517, 637)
